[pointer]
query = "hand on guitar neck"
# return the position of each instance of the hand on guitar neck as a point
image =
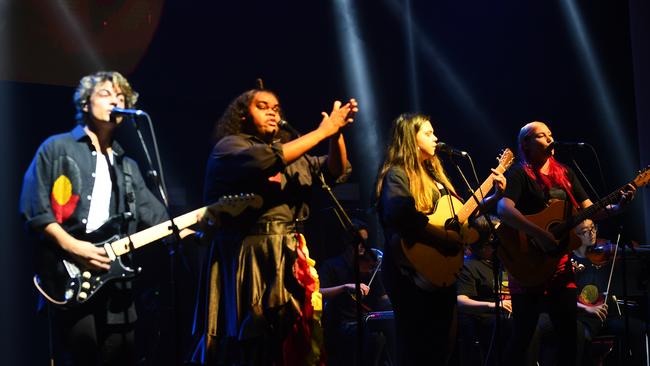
(208, 224)
(627, 194)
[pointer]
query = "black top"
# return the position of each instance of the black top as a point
(591, 274)
(58, 188)
(256, 250)
(396, 206)
(70, 158)
(476, 281)
(401, 220)
(245, 164)
(531, 198)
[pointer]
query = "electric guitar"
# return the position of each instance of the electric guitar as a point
(450, 213)
(522, 256)
(64, 283)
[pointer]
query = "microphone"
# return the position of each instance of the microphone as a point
(446, 149)
(567, 144)
(286, 126)
(127, 112)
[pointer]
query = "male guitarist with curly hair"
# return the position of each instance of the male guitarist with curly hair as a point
(77, 181)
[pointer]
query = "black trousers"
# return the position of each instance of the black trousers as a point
(342, 345)
(614, 325)
(425, 323)
(83, 337)
(560, 304)
(478, 342)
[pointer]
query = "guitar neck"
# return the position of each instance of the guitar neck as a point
(593, 209)
(472, 203)
(144, 237)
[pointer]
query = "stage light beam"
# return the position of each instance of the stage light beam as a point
(603, 100)
(355, 65)
(448, 77)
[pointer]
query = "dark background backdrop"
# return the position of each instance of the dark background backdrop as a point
(480, 69)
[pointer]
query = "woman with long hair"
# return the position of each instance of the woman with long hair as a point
(410, 183)
(532, 184)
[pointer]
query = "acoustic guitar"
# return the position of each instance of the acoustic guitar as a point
(441, 270)
(62, 282)
(522, 256)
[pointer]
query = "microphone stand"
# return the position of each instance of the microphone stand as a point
(173, 242)
(626, 313)
(623, 256)
(496, 264)
(346, 222)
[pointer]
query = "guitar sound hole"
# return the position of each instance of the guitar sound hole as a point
(556, 229)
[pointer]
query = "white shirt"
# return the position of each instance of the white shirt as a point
(100, 201)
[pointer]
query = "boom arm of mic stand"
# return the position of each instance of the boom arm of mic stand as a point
(349, 227)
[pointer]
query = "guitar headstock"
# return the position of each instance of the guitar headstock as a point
(505, 159)
(642, 178)
(236, 204)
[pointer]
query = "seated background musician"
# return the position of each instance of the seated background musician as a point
(602, 316)
(476, 313)
(339, 315)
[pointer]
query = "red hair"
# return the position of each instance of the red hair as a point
(557, 177)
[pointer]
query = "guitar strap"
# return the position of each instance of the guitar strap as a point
(129, 195)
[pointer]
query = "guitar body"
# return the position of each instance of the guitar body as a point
(64, 283)
(451, 214)
(523, 259)
(439, 269)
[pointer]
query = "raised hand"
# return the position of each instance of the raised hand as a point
(340, 116)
